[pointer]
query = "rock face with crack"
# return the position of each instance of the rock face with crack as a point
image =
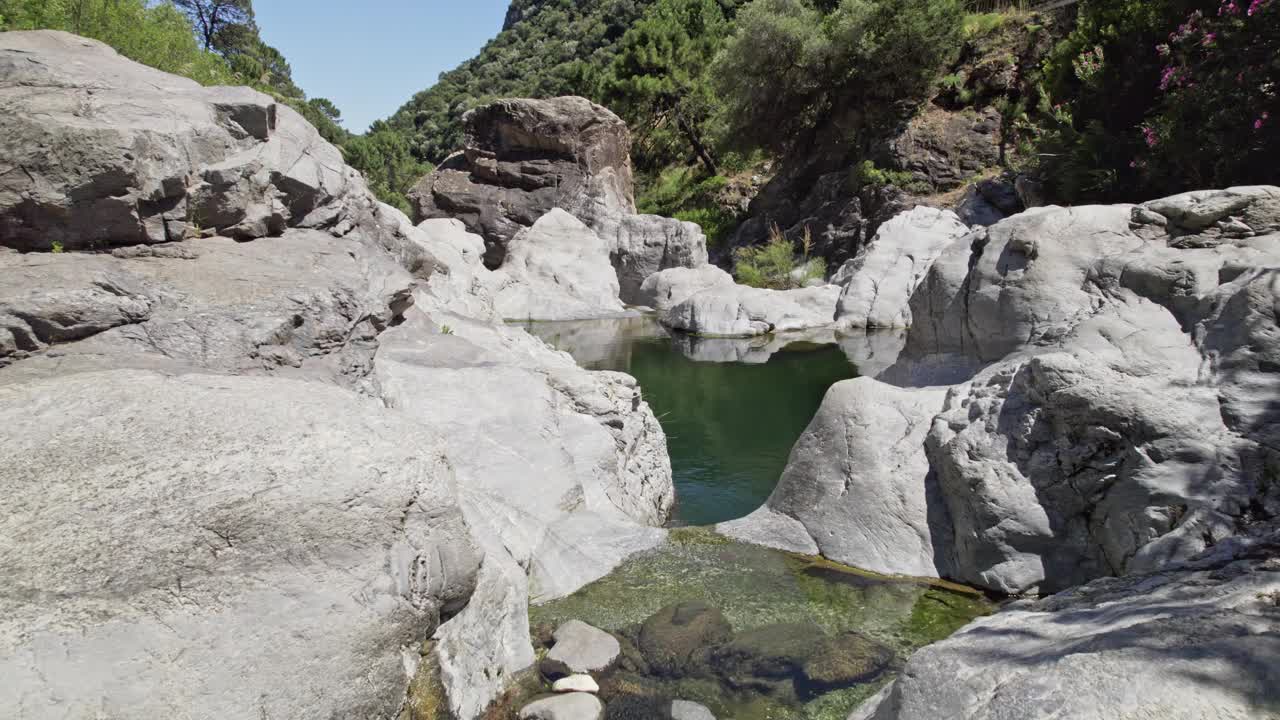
(887, 271)
(286, 444)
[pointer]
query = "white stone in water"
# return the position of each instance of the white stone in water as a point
(685, 710)
(576, 683)
(582, 648)
(574, 706)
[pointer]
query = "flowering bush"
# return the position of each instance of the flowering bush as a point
(1151, 97)
(1212, 123)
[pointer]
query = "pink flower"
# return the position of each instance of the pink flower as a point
(1255, 6)
(1257, 124)
(1210, 38)
(1149, 136)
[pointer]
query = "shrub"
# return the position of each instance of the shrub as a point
(688, 194)
(789, 66)
(774, 264)
(156, 35)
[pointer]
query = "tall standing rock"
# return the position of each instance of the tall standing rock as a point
(524, 157)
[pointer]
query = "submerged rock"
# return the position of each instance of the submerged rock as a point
(844, 661)
(573, 706)
(676, 638)
(768, 659)
(686, 710)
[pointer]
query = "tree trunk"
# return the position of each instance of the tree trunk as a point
(701, 150)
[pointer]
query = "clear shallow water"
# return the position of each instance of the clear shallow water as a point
(757, 588)
(731, 409)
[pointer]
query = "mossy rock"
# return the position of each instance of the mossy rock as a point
(675, 640)
(638, 707)
(621, 683)
(774, 652)
(844, 661)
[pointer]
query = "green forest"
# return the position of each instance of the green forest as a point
(1137, 97)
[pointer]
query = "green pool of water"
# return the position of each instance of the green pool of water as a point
(755, 587)
(731, 409)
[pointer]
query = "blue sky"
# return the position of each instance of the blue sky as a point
(370, 56)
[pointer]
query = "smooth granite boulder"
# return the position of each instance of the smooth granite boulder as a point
(570, 706)
(741, 311)
(858, 488)
(152, 515)
(886, 272)
(580, 649)
(556, 270)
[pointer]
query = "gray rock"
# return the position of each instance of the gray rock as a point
(740, 311)
(858, 487)
(162, 159)
(1192, 643)
(665, 289)
(159, 516)
(522, 158)
(575, 683)
(686, 710)
(556, 270)
(641, 245)
(580, 648)
(572, 706)
(881, 280)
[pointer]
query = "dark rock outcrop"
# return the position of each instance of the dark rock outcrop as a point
(523, 158)
(676, 638)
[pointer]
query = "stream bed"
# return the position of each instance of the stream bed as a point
(748, 632)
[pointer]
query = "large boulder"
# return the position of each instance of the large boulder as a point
(556, 270)
(887, 271)
(1193, 642)
(740, 311)
(641, 245)
(114, 153)
(524, 157)
(668, 288)
(225, 524)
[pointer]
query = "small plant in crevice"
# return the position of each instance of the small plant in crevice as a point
(446, 330)
(774, 265)
(57, 247)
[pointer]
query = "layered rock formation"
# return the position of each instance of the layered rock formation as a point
(273, 465)
(524, 158)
